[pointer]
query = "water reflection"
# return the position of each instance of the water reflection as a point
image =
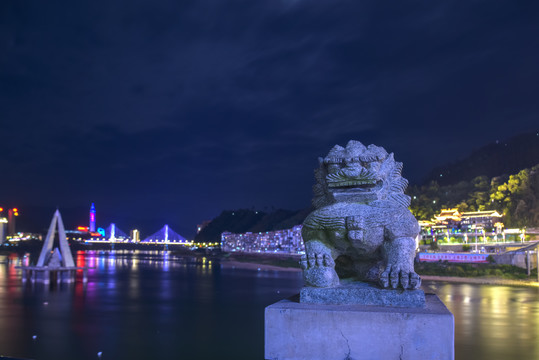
(152, 304)
(492, 322)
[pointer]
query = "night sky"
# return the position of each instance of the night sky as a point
(171, 111)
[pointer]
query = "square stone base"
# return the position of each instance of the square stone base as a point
(297, 331)
(361, 293)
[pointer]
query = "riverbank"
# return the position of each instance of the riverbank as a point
(231, 264)
(278, 262)
(481, 280)
(486, 274)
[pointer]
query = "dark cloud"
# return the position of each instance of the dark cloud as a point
(174, 110)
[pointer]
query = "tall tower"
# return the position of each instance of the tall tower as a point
(135, 236)
(3, 223)
(3, 227)
(11, 214)
(92, 218)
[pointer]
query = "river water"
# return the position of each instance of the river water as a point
(153, 305)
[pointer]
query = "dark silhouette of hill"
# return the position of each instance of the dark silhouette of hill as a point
(241, 221)
(461, 184)
(494, 159)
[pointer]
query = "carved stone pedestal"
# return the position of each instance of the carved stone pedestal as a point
(361, 293)
(299, 331)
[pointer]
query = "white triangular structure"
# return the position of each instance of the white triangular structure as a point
(65, 252)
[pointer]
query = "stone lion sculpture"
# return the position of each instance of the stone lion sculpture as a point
(361, 226)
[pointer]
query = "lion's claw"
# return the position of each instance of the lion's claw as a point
(328, 261)
(393, 276)
(415, 281)
(319, 270)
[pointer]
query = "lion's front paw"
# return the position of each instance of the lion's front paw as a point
(394, 276)
(319, 270)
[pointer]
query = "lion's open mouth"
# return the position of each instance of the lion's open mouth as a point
(356, 185)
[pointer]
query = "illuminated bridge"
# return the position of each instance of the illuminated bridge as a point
(113, 233)
(109, 235)
(165, 236)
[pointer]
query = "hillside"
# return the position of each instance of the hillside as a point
(494, 159)
(516, 196)
(243, 220)
(503, 176)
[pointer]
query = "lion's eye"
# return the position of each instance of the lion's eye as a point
(333, 168)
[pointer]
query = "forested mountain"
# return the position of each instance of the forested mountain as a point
(516, 196)
(243, 220)
(500, 157)
(501, 176)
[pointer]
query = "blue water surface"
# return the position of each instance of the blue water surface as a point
(154, 305)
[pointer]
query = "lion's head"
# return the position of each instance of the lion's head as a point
(359, 174)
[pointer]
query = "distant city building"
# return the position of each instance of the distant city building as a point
(135, 236)
(453, 219)
(83, 233)
(20, 236)
(92, 218)
(486, 219)
(448, 217)
(11, 215)
(78, 235)
(451, 223)
(288, 241)
(3, 228)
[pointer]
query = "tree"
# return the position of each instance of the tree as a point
(516, 196)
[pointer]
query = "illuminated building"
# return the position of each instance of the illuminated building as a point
(288, 241)
(453, 219)
(11, 214)
(449, 217)
(82, 233)
(486, 219)
(3, 223)
(78, 235)
(453, 225)
(135, 236)
(92, 218)
(20, 236)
